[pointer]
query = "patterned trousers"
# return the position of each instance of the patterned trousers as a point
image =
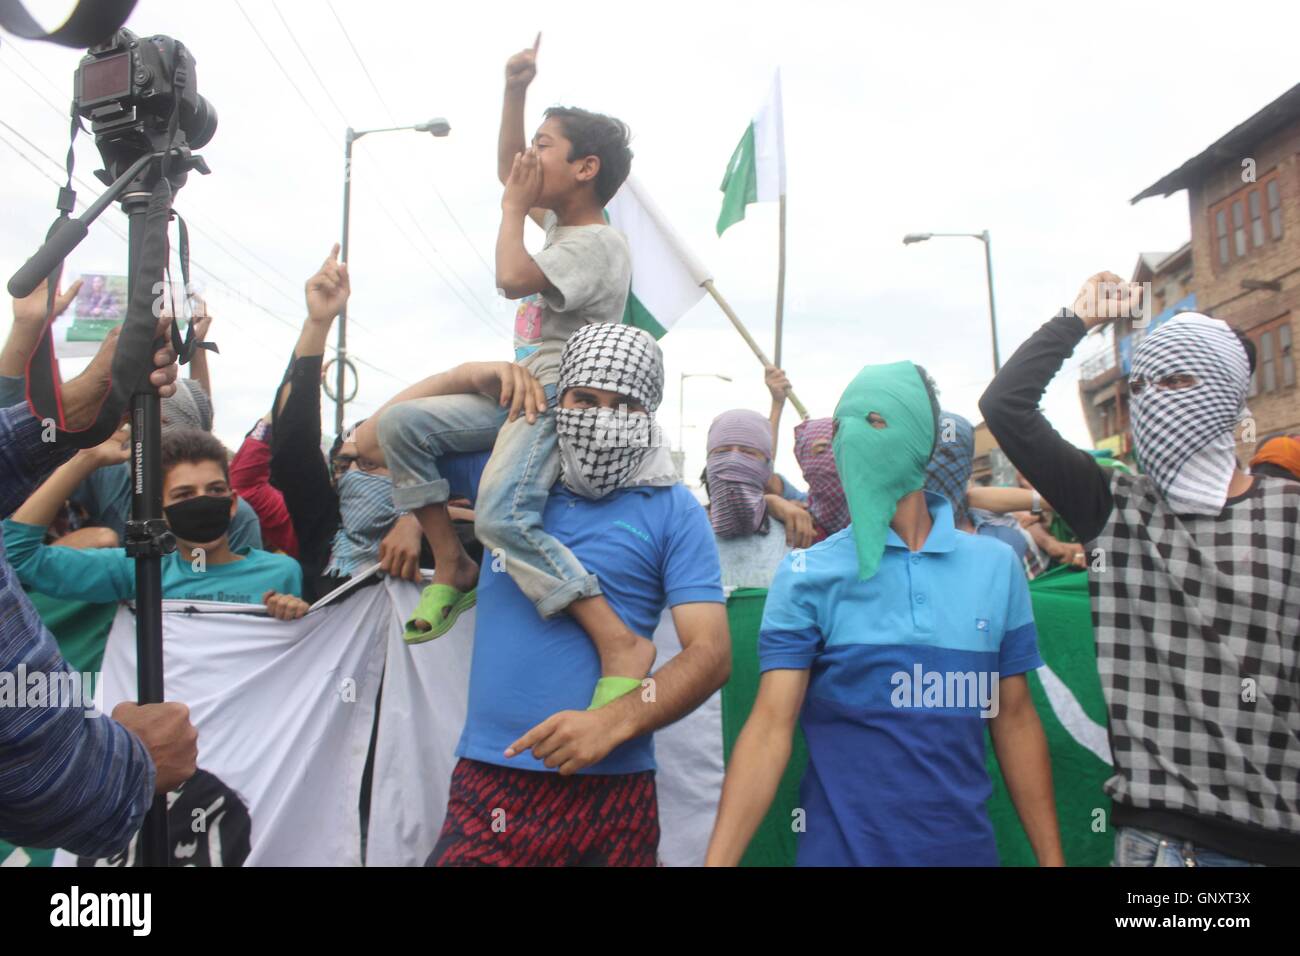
(498, 816)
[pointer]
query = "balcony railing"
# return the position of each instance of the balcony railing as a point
(1098, 365)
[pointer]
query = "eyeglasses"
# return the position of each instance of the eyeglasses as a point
(1138, 385)
(344, 463)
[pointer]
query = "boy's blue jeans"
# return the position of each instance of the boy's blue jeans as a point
(513, 489)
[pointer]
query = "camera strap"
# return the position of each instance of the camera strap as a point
(91, 22)
(137, 342)
(185, 347)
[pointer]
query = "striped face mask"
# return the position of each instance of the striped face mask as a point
(366, 513)
(812, 449)
(1188, 392)
(737, 479)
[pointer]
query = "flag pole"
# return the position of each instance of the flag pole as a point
(749, 339)
(780, 283)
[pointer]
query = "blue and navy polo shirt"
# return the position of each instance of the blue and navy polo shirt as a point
(903, 665)
(650, 548)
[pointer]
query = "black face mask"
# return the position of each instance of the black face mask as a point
(199, 519)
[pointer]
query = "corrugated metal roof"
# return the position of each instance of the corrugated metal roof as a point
(1230, 147)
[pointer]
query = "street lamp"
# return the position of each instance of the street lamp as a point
(912, 237)
(438, 127)
(681, 405)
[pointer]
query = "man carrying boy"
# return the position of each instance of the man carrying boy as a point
(540, 780)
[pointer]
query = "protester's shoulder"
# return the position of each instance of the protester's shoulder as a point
(614, 240)
(1284, 490)
(270, 560)
(832, 556)
(679, 502)
(984, 547)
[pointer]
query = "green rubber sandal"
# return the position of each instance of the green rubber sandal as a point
(612, 688)
(440, 605)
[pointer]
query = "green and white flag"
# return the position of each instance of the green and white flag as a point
(756, 172)
(667, 278)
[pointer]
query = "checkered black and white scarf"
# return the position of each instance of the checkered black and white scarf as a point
(951, 464)
(605, 449)
(1184, 436)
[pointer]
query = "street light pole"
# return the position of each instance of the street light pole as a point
(342, 356)
(438, 127)
(993, 314)
(983, 237)
(681, 405)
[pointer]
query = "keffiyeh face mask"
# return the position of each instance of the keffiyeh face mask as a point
(605, 449)
(1188, 392)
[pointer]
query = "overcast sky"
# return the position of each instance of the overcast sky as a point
(1034, 121)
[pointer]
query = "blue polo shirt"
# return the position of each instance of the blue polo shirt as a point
(650, 548)
(903, 665)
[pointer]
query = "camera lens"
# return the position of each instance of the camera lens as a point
(202, 125)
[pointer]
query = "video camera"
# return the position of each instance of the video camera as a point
(132, 90)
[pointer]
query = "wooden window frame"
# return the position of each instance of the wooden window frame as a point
(1241, 238)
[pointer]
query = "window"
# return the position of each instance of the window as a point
(1275, 362)
(1274, 208)
(1256, 220)
(1248, 219)
(1267, 366)
(1288, 359)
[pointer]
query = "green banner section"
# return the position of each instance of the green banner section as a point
(776, 839)
(1063, 616)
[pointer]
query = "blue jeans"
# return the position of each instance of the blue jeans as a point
(1137, 847)
(512, 492)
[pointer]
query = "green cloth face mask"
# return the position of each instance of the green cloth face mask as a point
(878, 466)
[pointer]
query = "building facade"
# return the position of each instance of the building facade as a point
(1244, 207)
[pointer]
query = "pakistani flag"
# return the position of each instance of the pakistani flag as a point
(756, 172)
(667, 278)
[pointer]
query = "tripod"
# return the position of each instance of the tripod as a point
(145, 189)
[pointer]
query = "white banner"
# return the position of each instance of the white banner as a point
(285, 710)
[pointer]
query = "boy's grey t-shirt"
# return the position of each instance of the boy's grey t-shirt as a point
(590, 270)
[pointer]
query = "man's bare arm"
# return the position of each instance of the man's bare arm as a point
(686, 681)
(29, 324)
(759, 759)
(506, 382)
(573, 739)
(1021, 747)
